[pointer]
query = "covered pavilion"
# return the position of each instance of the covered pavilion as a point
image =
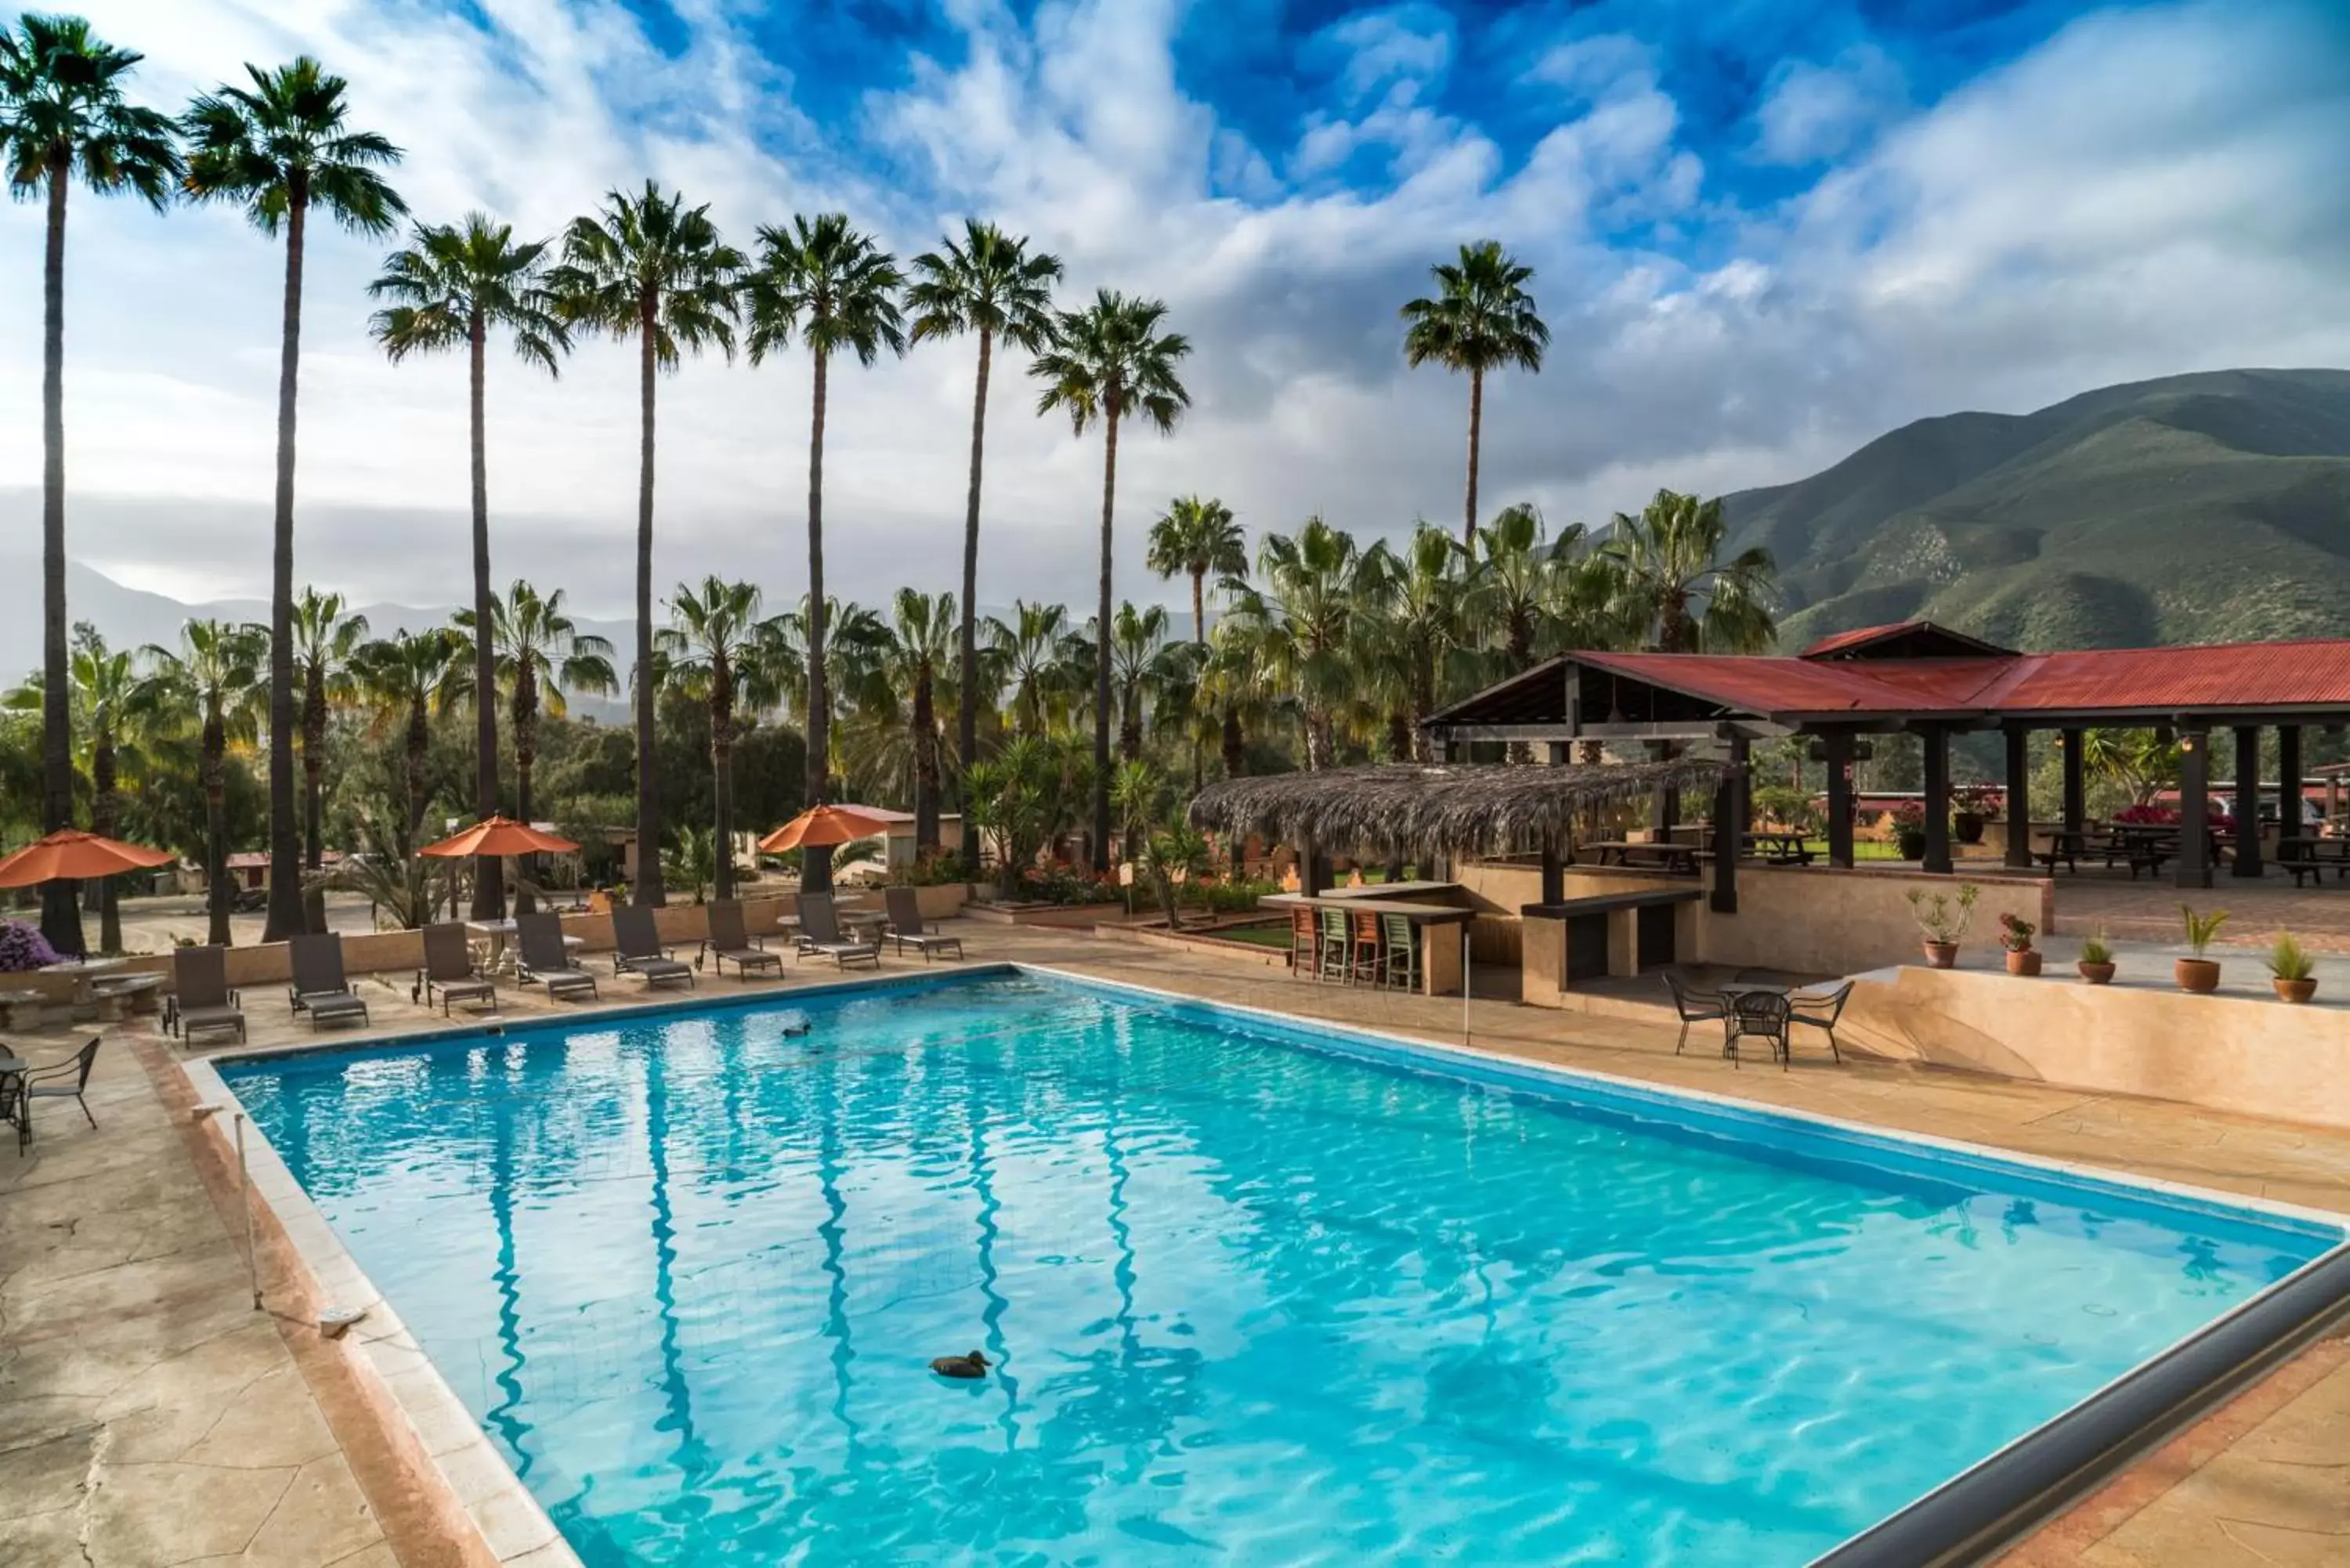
(1918, 678)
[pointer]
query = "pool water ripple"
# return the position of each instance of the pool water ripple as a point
(1250, 1302)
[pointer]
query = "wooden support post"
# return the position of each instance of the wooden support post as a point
(2076, 788)
(2018, 798)
(1837, 743)
(1937, 740)
(2194, 808)
(2289, 811)
(1728, 828)
(2248, 802)
(1553, 875)
(1312, 878)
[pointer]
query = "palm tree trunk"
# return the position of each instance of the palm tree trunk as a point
(489, 871)
(60, 909)
(287, 914)
(649, 889)
(525, 744)
(722, 797)
(967, 662)
(1199, 610)
(419, 745)
(1235, 748)
(926, 767)
(218, 894)
(1476, 420)
(1101, 649)
(105, 814)
(816, 861)
(314, 765)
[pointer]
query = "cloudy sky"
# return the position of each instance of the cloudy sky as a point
(1764, 231)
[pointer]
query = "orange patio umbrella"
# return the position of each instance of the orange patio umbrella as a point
(498, 836)
(820, 826)
(74, 855)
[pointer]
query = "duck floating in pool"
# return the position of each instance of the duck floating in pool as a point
(971, 1366)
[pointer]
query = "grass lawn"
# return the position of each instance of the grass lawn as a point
(1277, 936)
(1862, 849)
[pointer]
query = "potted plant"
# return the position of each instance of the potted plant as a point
(2015, 935)
(1976, 804)
(2291, 970)
(2199, 974)
(1909, 829)
(1944, 921)
(2096, 965)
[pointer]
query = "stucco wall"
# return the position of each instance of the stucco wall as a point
(2259, 1057)
(1818, 920)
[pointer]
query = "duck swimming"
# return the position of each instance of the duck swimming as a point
(971, 1366)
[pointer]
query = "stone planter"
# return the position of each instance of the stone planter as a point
(2197, 975)
(2295, 990)
(2095, 973)
(2024, 961)
(1941, 955)
(1911, 842)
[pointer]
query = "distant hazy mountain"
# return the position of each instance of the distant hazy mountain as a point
(2192, 509)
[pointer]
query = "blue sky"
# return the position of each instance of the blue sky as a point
(1763, 230)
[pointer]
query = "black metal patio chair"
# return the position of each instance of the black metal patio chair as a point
(1820, 1009)
(1692, 1008)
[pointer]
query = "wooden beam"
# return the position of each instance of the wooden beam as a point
(2018, 798)
(2194, 808)
(2289, 808)
(1840, 759)
(1728, 793)
(1937, 739)
(2248, 803)
(2076, 790)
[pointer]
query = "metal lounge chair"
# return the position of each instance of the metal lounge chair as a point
(1821, 1010)
(820, 933)
(545, 960)
(14, 1110)
(1756, 1015)
(730, 942)
(449, 968)
(1692, 1009)
(319, 988)
(200, 997)
(637, 950)
(64, 1081)
(906, 924)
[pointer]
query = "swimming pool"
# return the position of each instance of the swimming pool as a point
(1256, 1293)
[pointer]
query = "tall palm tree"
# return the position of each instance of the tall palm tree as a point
(279, 148)
(216, 674)
(1659, 563)
(836, 290)
(719, 651)
(325, 643)
(1480, 318)
(991, 285)
(452, 286)
(1296, 624)
(541, 655)
(897, 669)
(650, 268)
(1197, 537)
(1413, 632)
(1532, 596)
(1105, 362)
(1143, 664)
(408, 678)
(63, 117)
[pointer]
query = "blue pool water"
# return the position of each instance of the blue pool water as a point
(1253, 1301)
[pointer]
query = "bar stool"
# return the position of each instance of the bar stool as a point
(1364, 956)
(1302, 954)
(1334, 963)
(1399, 961)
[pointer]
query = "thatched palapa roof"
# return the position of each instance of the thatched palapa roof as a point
(1457, 807)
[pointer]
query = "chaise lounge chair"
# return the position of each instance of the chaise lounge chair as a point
(449, 968)
(820, 933)
(200, 997)
(729, 942)
(906, 924)
(637, 950)
(319, 988)
(545, 960)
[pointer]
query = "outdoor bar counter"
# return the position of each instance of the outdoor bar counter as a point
(1440, 948)
(1576, 940)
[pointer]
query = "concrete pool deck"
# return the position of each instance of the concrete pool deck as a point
(147, 1415)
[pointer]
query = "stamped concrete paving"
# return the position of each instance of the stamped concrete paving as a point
(129, 1353)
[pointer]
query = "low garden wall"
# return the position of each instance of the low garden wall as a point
(2240, 1054)
(1817, 919)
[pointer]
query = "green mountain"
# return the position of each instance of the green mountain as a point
(2203, 508)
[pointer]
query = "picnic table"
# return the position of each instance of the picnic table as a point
(2307, 857)
(1779, 846)
(1661, 855)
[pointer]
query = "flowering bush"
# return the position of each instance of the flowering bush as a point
(1908, 813)
(22, 948)
(2159, 816)
(1978, 799)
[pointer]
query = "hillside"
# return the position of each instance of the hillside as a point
(2197, 508)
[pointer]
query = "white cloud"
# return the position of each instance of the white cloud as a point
(2151, 192)
(1811, 112)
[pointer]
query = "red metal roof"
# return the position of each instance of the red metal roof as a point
(1835, 642)
(2226, 677)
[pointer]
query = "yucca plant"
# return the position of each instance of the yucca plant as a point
(2097, 949)
(2202, 928)
(2289, 960)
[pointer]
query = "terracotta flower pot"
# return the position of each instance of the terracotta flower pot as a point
(2197, 975)
(1941, 955)
(2097, 973)
(2295, 990)
(2024, 961)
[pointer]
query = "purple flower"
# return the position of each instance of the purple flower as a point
(23, 948)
